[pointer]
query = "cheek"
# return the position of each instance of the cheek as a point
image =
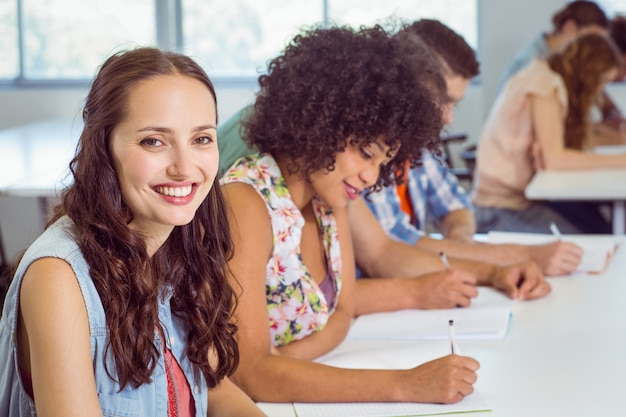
(447, 114)
(210, 163)
(135, 172)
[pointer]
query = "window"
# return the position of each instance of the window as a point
(47, 41)
(236, 38)
(612, 7)
(8, 40)
(67, 39)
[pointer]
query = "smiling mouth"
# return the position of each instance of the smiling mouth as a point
(183, 191)
(353, 193)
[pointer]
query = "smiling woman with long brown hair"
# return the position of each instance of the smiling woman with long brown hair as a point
(122, 306)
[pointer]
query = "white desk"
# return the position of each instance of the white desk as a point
(34, 158)
(564, 355)
(601, 184)
(34, 161)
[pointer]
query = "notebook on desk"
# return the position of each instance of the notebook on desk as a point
(487, 317)
(379, 355)
(471, 403)
(598, 249)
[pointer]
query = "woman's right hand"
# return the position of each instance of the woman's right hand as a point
(444, 380)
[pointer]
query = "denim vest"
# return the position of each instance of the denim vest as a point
(148, 399)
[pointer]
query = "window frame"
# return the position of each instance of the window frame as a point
(169, 35)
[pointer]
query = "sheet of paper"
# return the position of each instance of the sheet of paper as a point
(359, 354)
(386, 355)
(598, 249)
(487, 318)
(471, 403)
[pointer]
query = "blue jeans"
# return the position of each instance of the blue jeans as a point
(534, 219)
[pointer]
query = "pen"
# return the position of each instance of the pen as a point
(555, 230)
(444, 260)
(451, 323)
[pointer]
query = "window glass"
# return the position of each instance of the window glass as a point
(69, 39)
(237, 37)
(9, 47)
(459, 15)
(612, 7)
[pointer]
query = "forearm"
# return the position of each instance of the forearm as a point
(608, 133)
(228, 400)
(482, 252)
(398, 259)
(573, 159)
(403, 260)
(375, 295)
(281, 379)
(458, 225)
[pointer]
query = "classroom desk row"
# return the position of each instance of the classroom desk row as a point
(598, 185)
(564, 355)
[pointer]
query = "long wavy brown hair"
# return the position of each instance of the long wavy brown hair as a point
(581, 66)
(331, 86)
(191, 264)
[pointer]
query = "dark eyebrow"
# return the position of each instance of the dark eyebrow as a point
(380, 146)
(167, 130)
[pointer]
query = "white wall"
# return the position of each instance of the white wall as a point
(505, 26)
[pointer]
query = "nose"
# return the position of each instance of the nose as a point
(180, 163)
(369, 175)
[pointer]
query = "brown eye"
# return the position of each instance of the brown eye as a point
(151, 142)
(205, 140)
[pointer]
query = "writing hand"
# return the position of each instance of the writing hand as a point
(523, 281)
(557, 258)
(444, 380)
(444, 289)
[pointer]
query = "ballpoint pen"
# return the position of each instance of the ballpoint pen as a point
(444, 260)
(451, 326)
(555, 230)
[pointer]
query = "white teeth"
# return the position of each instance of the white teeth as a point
(174, 191)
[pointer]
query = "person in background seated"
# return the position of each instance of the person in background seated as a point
(336, 113)
(541, 120)
(433, 191)
(122, 306)
(611, 130)
(575, 19)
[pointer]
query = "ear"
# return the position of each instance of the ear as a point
(569, 28)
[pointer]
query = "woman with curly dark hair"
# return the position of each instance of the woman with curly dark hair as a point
(122, 306)
(541, 120)
(339, 111)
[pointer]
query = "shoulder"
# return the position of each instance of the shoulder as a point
(50, 290)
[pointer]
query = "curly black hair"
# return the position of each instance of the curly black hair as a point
(331, 86)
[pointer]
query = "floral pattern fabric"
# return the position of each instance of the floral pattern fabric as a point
(296, 305)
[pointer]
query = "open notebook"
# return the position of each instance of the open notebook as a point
(402, 355)
(598, 249)
(486, 318)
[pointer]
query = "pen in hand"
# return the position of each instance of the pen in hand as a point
(444, 260)
(555, 230)
(451, 326)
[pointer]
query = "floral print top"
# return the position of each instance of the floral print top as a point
(296, 305)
